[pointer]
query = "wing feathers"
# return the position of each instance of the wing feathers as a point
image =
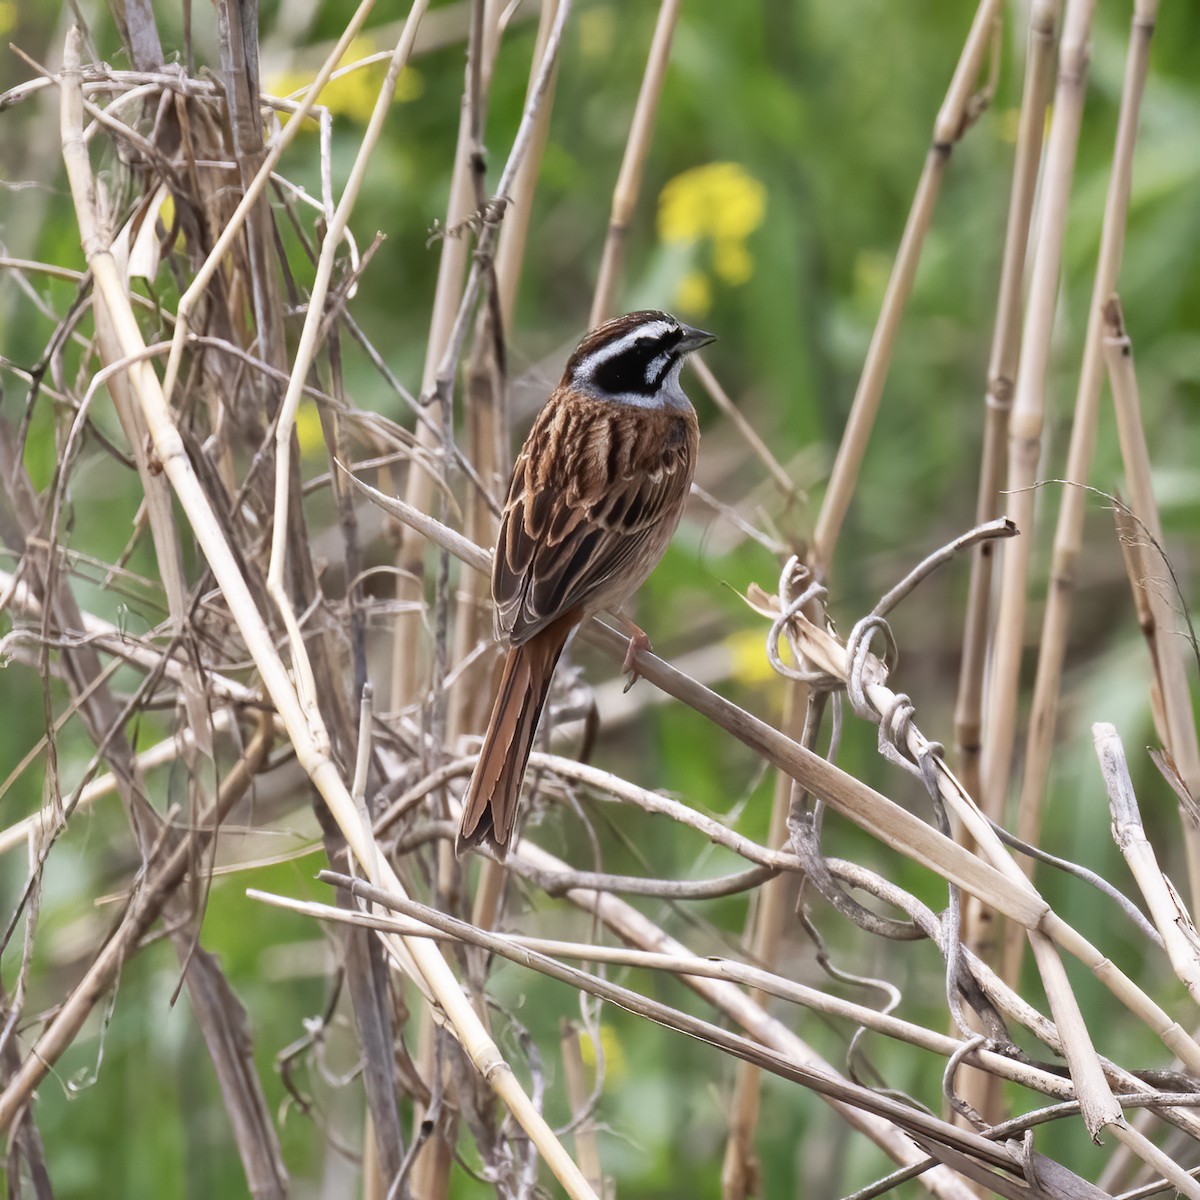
(591, 496)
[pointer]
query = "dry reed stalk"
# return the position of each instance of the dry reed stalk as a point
(1167, 910)
(819, 647)
(783, 1051)
(1002, 366)
(953, 119)
(1153, 585)
(981, 1093)
(711, 967)
(687, 965)
(510, 253)
(1026, 419)
(313, 319)
(304, 728)
(233, 227)
(579, 1096)
(997, 881)
(637, 146)
(1068, 535)
(407, 635)
(144, 909)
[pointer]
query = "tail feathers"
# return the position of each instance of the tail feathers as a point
(490, 804)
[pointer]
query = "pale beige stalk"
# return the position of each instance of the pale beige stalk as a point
(510, 251)
(1168, 647)
(307, 734)
(951, 124)
(629, 179)
(233, 228)
(1029, 402)
(1068, 535)
(313, 320)
(821, 648)
(407, 632)
(587, 1151)
(978, 921)
(1002, 366)
(711, 967)
(1167, 910)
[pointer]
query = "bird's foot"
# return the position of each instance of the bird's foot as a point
(638, 641)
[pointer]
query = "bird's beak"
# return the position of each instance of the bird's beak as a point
(693, 339)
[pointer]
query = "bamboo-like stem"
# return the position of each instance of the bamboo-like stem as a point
(692, 969)
(578, 1096)
(629, 179)
(1169, 652)
(1002, 367)
(1167, 909)
(69, 1018)
(233, 227)
(826, 652)
(304, 729)
(821, 1078)
(739, 1168)
(510, 251)
(689, 965)
(952, 122)
(448, 292)
(1025, 424)
(313, 321)
(1068, 535)
(42, 823)
(980, 1092)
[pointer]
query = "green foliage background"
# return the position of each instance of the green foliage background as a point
(829, 106)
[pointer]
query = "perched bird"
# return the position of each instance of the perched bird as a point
(595, 496)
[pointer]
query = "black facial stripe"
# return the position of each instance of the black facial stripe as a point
(640, 367)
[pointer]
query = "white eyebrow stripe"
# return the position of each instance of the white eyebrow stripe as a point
(598, 357)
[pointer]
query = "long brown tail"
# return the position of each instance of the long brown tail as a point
(490, 805)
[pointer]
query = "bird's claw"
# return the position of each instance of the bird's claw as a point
(638, 641)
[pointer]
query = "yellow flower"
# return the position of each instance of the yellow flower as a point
(309, 433)
(694, 294)
(747, 648)
(732, 260)
(720, 200)
(720, 203)
(353, 94)
(614, 1058)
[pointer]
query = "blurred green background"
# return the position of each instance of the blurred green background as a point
(789, 139)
